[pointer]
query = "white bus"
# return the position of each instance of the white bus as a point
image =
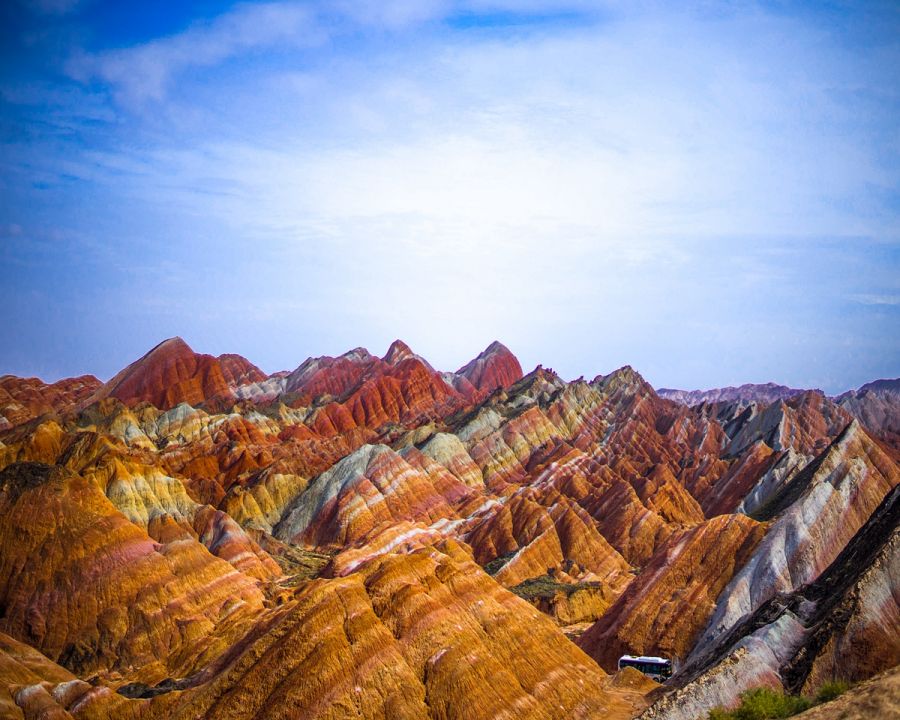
(656, 668)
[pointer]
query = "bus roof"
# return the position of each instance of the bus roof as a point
(645, 658)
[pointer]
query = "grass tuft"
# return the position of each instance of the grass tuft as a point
(831, 690)
(763, 704)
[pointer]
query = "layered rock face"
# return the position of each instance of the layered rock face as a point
(369, 537)
(91, 590)
(765, 393)
(844, 625)
(172, 373)
(688, 573)
(421, 635)
(877, 405)
(495, 368)
(24, 399)
(816, 515)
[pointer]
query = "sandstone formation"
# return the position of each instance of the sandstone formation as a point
(666, 607)
(94, 592)
(24, 399)
(877, 405)
(764, 393)
(370, 537)
(172, 373)
(494, 368)
(844, 626)
(817, 514)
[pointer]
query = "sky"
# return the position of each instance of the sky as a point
(708, 192)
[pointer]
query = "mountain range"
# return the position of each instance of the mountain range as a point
(370, 537)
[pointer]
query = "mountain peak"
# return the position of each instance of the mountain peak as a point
(170, 347)
(398, 352)
(169, 374)
(623, 376)
(495, 367)
(495, 347)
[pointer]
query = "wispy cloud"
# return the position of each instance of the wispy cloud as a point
(876, 299)
(144, 71)
(594, 191)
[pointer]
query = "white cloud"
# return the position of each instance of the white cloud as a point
(595, 187)
(144, 71)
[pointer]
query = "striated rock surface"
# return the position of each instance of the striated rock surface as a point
(92, 591)
(877, 406)
(172, 373)
(24, 399)
(816, 513)
(494, 368)
(764, 393)
(843, 626)
(31, 686)
(664, 609)
(371, 486)
(369, 537)
(421, 635)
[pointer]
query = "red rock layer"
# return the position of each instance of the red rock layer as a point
(172, 373)
(666, 607)
(23, 399)
(238, 370)
(545, 532)
(407, 393)
(494, 368)
(372, 486)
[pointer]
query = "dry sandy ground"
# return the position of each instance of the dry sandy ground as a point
(875, 699)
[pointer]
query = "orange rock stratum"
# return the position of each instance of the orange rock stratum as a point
(369, 537)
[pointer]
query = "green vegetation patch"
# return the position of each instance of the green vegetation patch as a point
(546, 587)
(302, 564)
(831, 690)
(494, 566)
(767, 704)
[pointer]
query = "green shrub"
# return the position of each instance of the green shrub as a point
(763, 704)
(832, 690)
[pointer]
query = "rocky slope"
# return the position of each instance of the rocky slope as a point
(875, 698)
(877, 405)
(370, 537)
(172, 373)
(844, 625)
(24, 399)
(765, 393)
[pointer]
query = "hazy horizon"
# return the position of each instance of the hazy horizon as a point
(710, 194)
(381, 353)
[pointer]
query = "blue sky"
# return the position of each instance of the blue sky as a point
(709, 193)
